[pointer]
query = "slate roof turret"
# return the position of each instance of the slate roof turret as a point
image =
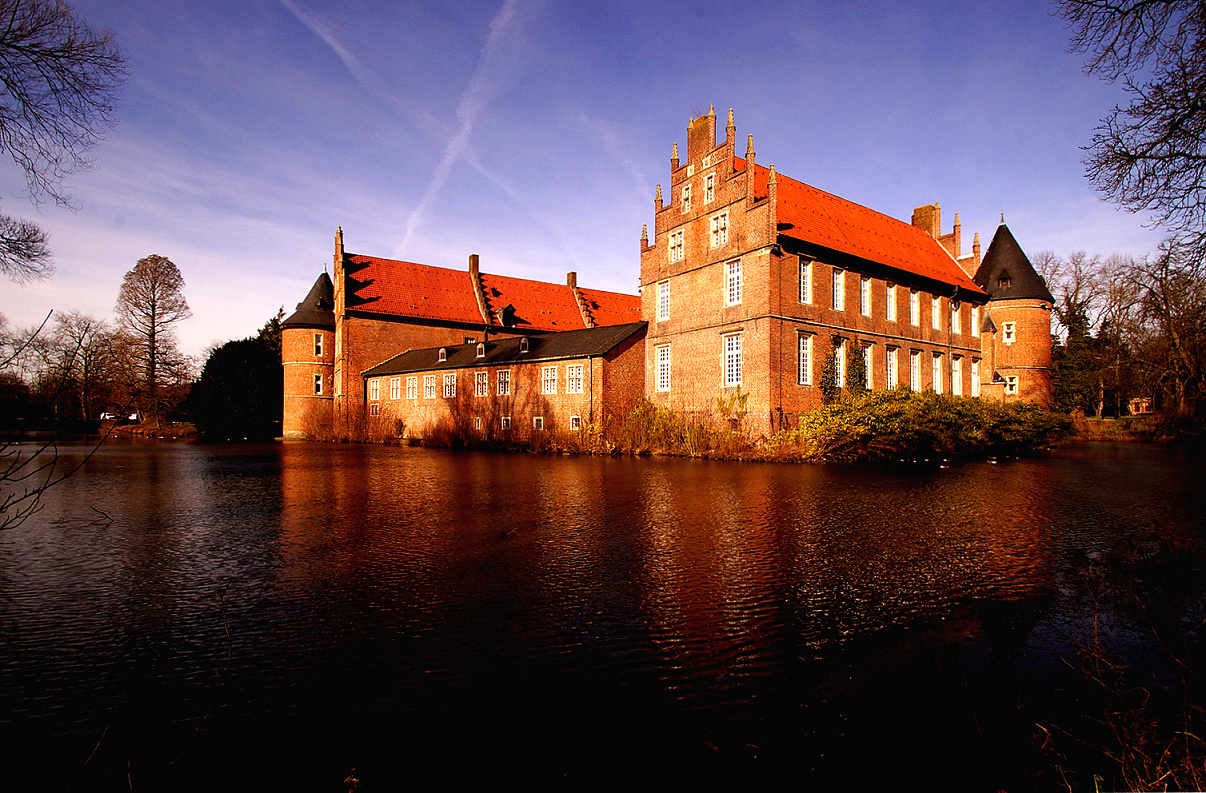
(318, 309)
(1006, 273)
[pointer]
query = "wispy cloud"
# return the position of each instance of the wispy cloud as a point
(475, 97)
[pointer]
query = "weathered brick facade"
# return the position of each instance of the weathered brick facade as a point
(751, 280)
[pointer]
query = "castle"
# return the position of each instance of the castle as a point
(751, 280)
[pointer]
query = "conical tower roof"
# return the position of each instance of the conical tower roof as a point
(1006, 273)
(318, 309)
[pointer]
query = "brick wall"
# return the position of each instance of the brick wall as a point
(302, 407)
(1028, 356)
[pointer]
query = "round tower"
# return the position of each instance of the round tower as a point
(308, 355)
(1017, 332)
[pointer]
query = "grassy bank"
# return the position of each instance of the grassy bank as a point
(881, 425)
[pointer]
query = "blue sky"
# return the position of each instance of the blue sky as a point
(533, 132)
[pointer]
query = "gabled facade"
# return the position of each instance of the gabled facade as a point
(751, 280)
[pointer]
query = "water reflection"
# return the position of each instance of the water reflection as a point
(392, 607)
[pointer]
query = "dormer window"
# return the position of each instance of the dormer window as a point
(481, 349)
(523, 344)
(1005, 281)
(443, 354)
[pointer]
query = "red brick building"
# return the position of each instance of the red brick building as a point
(752, 280)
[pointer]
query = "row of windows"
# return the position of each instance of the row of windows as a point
(574, 383)
(504, 422)
(709, 192)
(732, 363)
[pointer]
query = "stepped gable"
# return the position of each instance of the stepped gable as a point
(392, 288)
(580, 343)
(1007, 274)
(318, 308)
(814, 216)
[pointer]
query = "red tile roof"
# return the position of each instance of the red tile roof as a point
(835, 223)
(406, 289)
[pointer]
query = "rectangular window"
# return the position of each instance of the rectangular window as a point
(450, 385)
(548, 380)
(975, 378)
(573, 379)
(839, 363)
(477, 422)
(676, 246)
(890, 305)
(955, 323)
(663, 368)
(732, 360)
(686, 198)
(505, 422)
(504, 382)
(867, 361)
(481, 383)
(374, 390)
(429, 386)
(805, 360)
(732, 293)
(575, 422)
(395, 387)
(936, 374)
(663, 301)
(1009, 334)
(864, 296)
(957, 375)
(709, 188)
(375, 409)
(412, 388)
(317, 384)
(936, 313)
(317, 345)
(915, 370)
(839, 290)
(805, 281)
(1011, 384)
(914, 308)
(975, 321)
(893, 367)
(537, 422)
(720, 229)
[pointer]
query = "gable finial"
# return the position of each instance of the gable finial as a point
(645, 234)
(770, 179)
(731, 117)
(674, 151)
(1002, 218)
(711, 110)
(658, 195)
(749, 147)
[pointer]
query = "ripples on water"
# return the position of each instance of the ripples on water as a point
(426, 616)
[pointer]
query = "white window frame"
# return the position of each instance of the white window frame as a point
(868, 363)
(1011, 384)
(839, 363)
(915, 370)
(573, 378)
(548, 379)
(936, 312)
(662, 357)
(975, 377)
(575, 422)
(412, 387)
(893, 367)
(1009, 332)
(481, 384)
(975, 321)
(709, 188)
(450, 385)
(374, 390)
(429, 386)
(504, 422)
(732, 278)
(839, 289)
(936, 373)
(804, 364)
(674, 248)
(317, 345)
(956, 324)
(890, 303)
(538, 422)
(317, 385)
(864, 296)
(731, 347)
(395, 388)
(504, 382)
(686, 197)
(914, 308)
(720, 229)
(375, 409)
(663, 301)
(805, 281)
(957, 375)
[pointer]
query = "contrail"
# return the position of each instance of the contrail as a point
(475, 97)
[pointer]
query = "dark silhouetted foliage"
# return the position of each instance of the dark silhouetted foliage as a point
(240, 393)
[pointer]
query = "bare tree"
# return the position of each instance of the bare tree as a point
(150, 302)
(60, 79)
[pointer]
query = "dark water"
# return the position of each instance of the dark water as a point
(275, 616)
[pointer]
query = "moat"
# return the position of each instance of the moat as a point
(275, 616)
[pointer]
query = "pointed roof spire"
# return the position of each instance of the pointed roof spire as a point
(318, 309)
(770, 179)
(730, 124)
(711, 110)
(1005, 256)
(1002, 219)
(674, 151)
(749, 147)
(658, 195)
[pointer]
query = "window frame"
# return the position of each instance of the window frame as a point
(956, 375)
(538, 423)
(806, 281)
(574, 378)
(685, 197)
(481, 384)
(318, 385)
(412, 387)
(674, 246)
(720, 229)
(868, 363)
(1009, 332)
(449, 390)
(915, 308)
(317, 345)
(1011, 385)
(374, 390)
(839, 289)
(733, 281)
(804, 359)
(936, 373)
(890, 303)
(915, 370)
(975, 377)
(504, 382)
(663, 301)
(936, 312)
(975, 321)
(731, 372)
(864, 296)
(395, 388)
(893, 366)
(548, 380)
(662, 368)
(430, 389)
(709, 188)
(839, 363)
